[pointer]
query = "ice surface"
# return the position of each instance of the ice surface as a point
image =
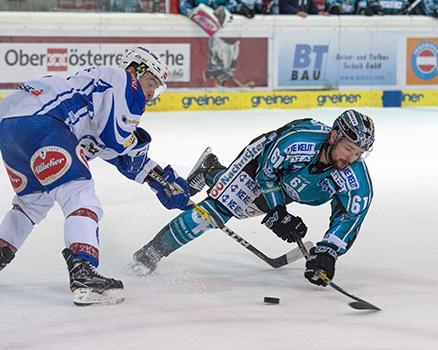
(209, 294)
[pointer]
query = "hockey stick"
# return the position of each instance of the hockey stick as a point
(411, 7)
(250, 84)
(293, 255)
(358, 304)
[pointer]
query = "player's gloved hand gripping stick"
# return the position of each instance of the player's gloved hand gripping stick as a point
(174, 188)
(358, 304)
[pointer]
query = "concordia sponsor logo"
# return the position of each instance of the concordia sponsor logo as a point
(424, 60)
(338, 98)
(50, 163)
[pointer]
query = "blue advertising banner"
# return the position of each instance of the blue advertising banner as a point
(331, 59)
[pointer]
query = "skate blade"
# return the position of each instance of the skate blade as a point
(86, 297)
(138, 269)
(200, 160)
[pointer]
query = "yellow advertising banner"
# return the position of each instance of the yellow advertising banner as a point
(206, 101)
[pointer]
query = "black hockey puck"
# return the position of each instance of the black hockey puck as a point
(271, 300)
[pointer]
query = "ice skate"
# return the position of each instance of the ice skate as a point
(144, 261)
(88, 286)
(196, 177)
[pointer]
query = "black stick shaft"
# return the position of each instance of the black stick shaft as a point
(273, 262)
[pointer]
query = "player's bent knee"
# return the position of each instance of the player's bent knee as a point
(76, 196)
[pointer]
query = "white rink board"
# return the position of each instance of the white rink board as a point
(382, 41)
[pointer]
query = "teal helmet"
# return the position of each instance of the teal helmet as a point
(356, 127)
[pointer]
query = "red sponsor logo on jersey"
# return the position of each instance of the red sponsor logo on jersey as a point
(18, 180)
(217, 190)
(50, 163)
(57, 60)
(81, 155)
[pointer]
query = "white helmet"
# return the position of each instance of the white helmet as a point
(146, 61)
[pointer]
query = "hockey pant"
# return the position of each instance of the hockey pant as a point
(45, 165)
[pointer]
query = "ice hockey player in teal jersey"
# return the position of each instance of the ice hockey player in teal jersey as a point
(305, 162)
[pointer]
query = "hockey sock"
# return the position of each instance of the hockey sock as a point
(81, 235)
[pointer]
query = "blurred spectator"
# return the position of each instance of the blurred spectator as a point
(233, 6)
(301, 8)
(321, 5)
(343, 7)
(126, 6)
(382, 7)
(425, 8)
(263, 7)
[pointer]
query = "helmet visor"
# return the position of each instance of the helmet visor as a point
(159, 90)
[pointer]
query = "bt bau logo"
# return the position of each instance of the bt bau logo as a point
(307, 63)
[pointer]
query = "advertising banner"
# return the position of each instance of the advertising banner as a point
(332, 59)
(194, 101)
(419, 98)
(192, 62)
(422, 61)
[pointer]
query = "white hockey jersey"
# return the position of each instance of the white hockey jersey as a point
(102, 106)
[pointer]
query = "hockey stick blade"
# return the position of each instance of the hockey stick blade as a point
(358, 304)
(364, 305)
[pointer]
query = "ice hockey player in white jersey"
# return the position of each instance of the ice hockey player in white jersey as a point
(49, 129)
(305, 162)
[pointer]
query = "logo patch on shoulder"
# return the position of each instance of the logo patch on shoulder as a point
(50, 163)
(18, 180)
(350, 176)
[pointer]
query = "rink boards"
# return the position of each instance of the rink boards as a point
(277, 62)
